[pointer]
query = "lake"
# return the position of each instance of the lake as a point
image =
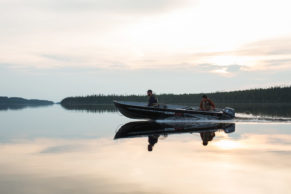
(54, 150)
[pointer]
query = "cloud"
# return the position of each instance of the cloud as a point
(58, 57)
(120, 6)
(227, 71)
(270, 66)
(275, 46)
(234, 68)
(101, 6)
(99, 32)
(266, 55)
(224, 71)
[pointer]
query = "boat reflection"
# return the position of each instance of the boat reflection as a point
(153, 130)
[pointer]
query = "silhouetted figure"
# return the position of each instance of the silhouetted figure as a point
(152, 101)
(206, 104)
(206, 137)
(153, 139)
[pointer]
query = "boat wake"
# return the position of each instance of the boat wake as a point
(262, 119)
(240, 118)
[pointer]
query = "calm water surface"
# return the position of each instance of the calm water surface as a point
(53, 150)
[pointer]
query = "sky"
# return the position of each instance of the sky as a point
(52, 49)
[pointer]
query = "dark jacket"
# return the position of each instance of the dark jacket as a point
(152, 100)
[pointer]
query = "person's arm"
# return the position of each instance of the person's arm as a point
(201, 107)
(212, 104)
(151, 101)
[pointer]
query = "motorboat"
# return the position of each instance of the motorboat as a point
(140, 110)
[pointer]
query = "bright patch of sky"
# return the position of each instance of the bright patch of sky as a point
(53, 49)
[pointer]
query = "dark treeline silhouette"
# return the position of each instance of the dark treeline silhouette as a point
(20, 103)
(100, 99)
(269, 95)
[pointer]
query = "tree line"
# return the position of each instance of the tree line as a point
(280, 95)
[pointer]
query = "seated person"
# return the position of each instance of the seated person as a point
(152, 99)
(206, 104)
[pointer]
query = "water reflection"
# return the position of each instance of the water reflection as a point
(153, 130)
(6, 107)
(153, 139)
(100, 108)
(206, 137)
(51, 150)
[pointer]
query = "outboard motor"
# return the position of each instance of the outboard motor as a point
(229, 112)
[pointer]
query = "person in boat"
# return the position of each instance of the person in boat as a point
(206, 104)
(153, 139)
(152, 101)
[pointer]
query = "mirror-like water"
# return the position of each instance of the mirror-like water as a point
(54, 150)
